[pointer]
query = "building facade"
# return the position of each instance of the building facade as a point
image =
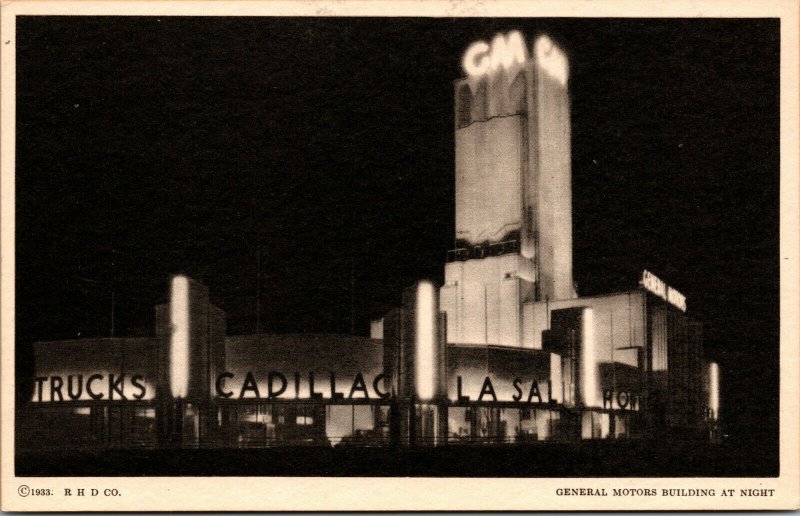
(504, 352)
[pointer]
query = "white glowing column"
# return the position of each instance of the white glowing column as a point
(179, 341)
(588, 360)
(426, 341)
(713, 389)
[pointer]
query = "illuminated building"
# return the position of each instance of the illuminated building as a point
(505, 351)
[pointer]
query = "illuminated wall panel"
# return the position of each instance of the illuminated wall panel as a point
(501, 366)
(82, 370)
(488, 173)
(376, 329)
(551, 191)
(474, 321)
(508, 281)
(529, 337)
(492, 310)
(295, 357)
(448, 303)
(508, 313)
(535, 317)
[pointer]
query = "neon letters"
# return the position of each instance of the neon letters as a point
(507, 51)
(653, 284)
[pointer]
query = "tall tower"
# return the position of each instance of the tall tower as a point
(513, 189)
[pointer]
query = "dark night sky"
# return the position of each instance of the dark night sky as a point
(151, 146)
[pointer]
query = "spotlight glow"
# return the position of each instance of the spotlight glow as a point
(426, 341)
(179, 341)
(588, 361)
(713, 389)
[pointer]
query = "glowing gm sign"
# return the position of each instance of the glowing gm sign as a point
(509, 51)
(551, 59)
(504, 52)
(654, 284)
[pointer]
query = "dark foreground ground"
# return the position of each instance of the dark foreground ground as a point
(614, 459)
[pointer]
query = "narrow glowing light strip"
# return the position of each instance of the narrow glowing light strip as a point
(179, 341)
(425, 345)
(588, 360)
(713, 389)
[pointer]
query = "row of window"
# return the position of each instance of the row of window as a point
(265, 424)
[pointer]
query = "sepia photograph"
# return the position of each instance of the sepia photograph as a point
(483, 247)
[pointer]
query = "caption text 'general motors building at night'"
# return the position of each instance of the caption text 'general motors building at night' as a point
(505, 351)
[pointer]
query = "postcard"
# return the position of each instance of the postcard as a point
(399, 256)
